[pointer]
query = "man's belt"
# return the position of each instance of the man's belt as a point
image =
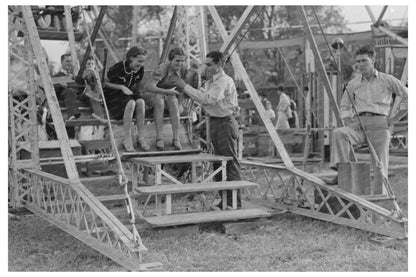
(370, 114)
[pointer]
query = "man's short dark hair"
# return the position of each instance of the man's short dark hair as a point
(176, 51)
(65, 55)
(217, 57)
(366, 50)
(281, 88)
(135, 51)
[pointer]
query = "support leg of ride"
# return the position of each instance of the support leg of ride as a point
(168, 203)
(234, 199)
(135, 171)
(224, 199)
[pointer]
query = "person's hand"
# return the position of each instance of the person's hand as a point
(391, 121)
(126, 90)
(353, 124)
(172, 91)
(180, 108)
(64, 85)
(179, 83)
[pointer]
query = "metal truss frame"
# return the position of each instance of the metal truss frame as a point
(66, 203)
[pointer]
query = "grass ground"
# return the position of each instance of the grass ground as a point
(287, 243)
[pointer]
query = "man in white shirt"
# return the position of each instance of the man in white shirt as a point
(283, 109)
(371, 93)
(219, 99)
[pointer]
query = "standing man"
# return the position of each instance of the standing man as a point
(219, 99)
(283, 110)
(371, 94)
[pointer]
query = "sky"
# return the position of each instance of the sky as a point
(355, 14)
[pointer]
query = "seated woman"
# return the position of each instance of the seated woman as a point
(161, 91)
(124, 98)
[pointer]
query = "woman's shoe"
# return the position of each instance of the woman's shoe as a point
(143, 145)
(160, 146)
(128, 148)
(176, 144)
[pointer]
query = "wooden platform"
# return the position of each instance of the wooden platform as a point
(180, 159)
(194, 218)
(195, 187)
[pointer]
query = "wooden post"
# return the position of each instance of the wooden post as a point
(201, 34)
(104, 37)
(134, 175)
(193, 172)
(168, 203)
(134, 26)
(169, 35)
(47, 85)
(237, 29)
(93, 36)
(235, 199)
(370, 13)
(321, 67)
(224, 170)
(71, 39)
(33, 133)
(383, 11)
(188, 60)
(403, 79)
(238, 66)
(240, 144)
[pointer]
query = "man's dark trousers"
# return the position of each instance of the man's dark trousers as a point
(224, 133)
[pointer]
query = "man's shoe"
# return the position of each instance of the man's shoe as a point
(160, 146)
(331, 182)
(176, 144)
(228, 207)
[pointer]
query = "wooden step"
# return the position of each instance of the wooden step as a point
(92, 121)
(195, 187)
(94, 158)
(193, 218)
(203, 157)
(131, 155)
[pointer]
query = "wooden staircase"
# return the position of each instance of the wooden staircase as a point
(167, 187)
(170, 219)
